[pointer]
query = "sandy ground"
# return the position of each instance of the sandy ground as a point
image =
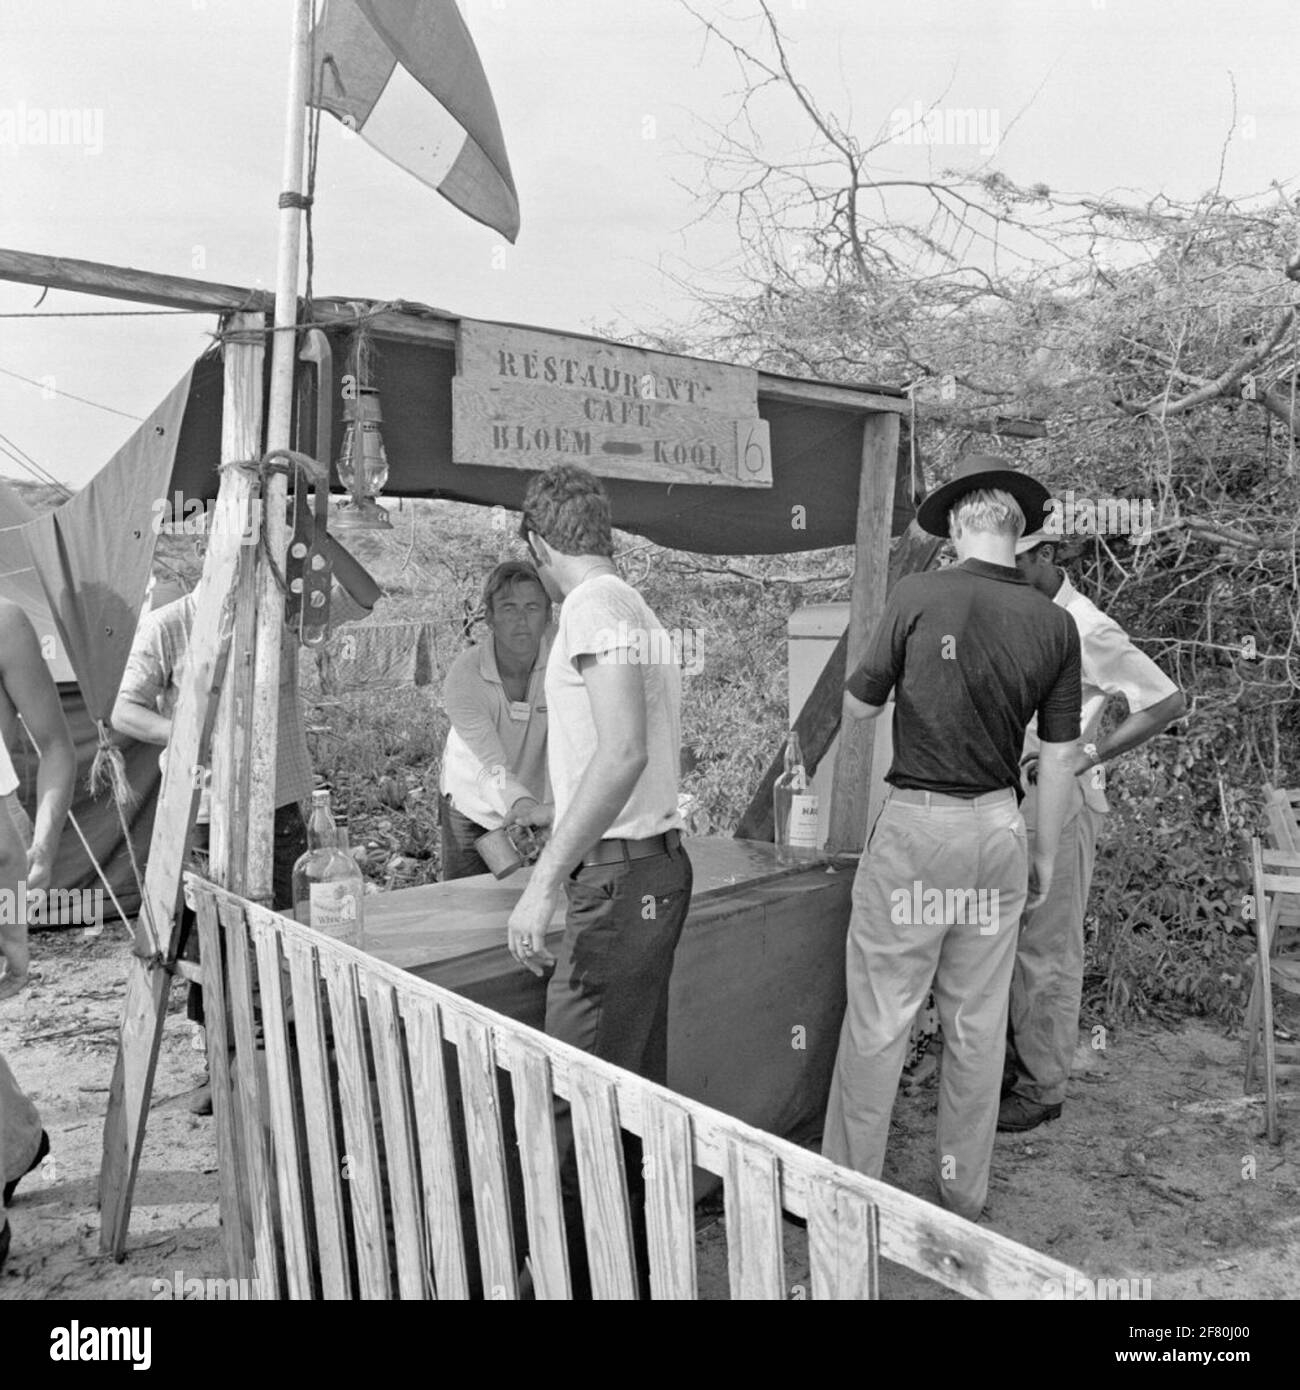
(1157, 1169)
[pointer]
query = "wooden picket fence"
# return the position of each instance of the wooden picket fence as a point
(355, 1161)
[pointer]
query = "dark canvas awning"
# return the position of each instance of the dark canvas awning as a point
(816, 463)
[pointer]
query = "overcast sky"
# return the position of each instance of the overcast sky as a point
(600, 102)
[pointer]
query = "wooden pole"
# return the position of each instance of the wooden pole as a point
(260, 837)
(149, 974)
(851, 789)
(232, 739)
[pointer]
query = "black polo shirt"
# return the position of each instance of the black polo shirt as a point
(973, 653)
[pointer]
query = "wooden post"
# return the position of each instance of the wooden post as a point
(232, 739)
(149, 977)
(260, 842)
(851, 789)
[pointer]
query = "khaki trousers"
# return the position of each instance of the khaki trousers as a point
(937, 897)
(1047, 984)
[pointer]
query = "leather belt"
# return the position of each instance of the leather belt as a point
(616, 851)
(913, 796)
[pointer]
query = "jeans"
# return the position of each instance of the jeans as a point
(456, 834)
(609, 996)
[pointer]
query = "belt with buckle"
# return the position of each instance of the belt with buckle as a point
(914, 796)
(616, 851)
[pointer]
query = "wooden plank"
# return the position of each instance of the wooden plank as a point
(241, 438)
(487, 1160)
(360, 1164)
(258, 1158)
(289, 1171)
(670, 1205)
(231, 1171)
(964, 1257)
(414, 1276)
(548, 1252)
(527, 398)
(843, 1242)
(851, 791)
(606, 1214)
(318, 1117)
(445, 1239)
(158, 925)
(531, 427)
(177, 292)
(755, 1258)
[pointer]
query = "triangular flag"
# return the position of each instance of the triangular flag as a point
(406, 76)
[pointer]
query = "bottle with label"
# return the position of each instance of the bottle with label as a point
(328, 889)
(794, 809)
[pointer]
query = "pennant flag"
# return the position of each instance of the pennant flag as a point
(405, 74)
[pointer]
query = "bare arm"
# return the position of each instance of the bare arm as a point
(1055, 791)
(1138, 728)
(35, 696)
(140, 722)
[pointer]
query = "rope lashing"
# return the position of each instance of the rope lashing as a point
(301, 201)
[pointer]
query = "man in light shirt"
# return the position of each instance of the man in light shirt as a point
(1047, 982)
(494, 764)
(613, 693)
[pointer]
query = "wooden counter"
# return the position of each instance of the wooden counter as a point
(757, 993)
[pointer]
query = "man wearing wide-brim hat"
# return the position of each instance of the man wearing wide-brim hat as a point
(972, 654)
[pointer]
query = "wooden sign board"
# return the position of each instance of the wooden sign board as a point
(527, 399)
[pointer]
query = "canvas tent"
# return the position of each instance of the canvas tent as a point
(80, 573)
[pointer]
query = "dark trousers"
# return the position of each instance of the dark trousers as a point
(456, 835)
(290, 845)
(609, 996)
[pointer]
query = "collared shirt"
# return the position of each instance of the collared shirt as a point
(1111, 665)
(972, 652)
(153, 675)
(605, 617)
(496, 748)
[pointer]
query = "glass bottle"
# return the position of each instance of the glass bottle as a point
(328, 889)
(794, 809)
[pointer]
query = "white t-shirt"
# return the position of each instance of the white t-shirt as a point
(606, 618)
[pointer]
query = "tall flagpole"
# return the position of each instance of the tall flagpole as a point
(270, 609)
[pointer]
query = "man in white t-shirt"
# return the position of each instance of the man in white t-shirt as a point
(613, 694)
(1047, 983)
